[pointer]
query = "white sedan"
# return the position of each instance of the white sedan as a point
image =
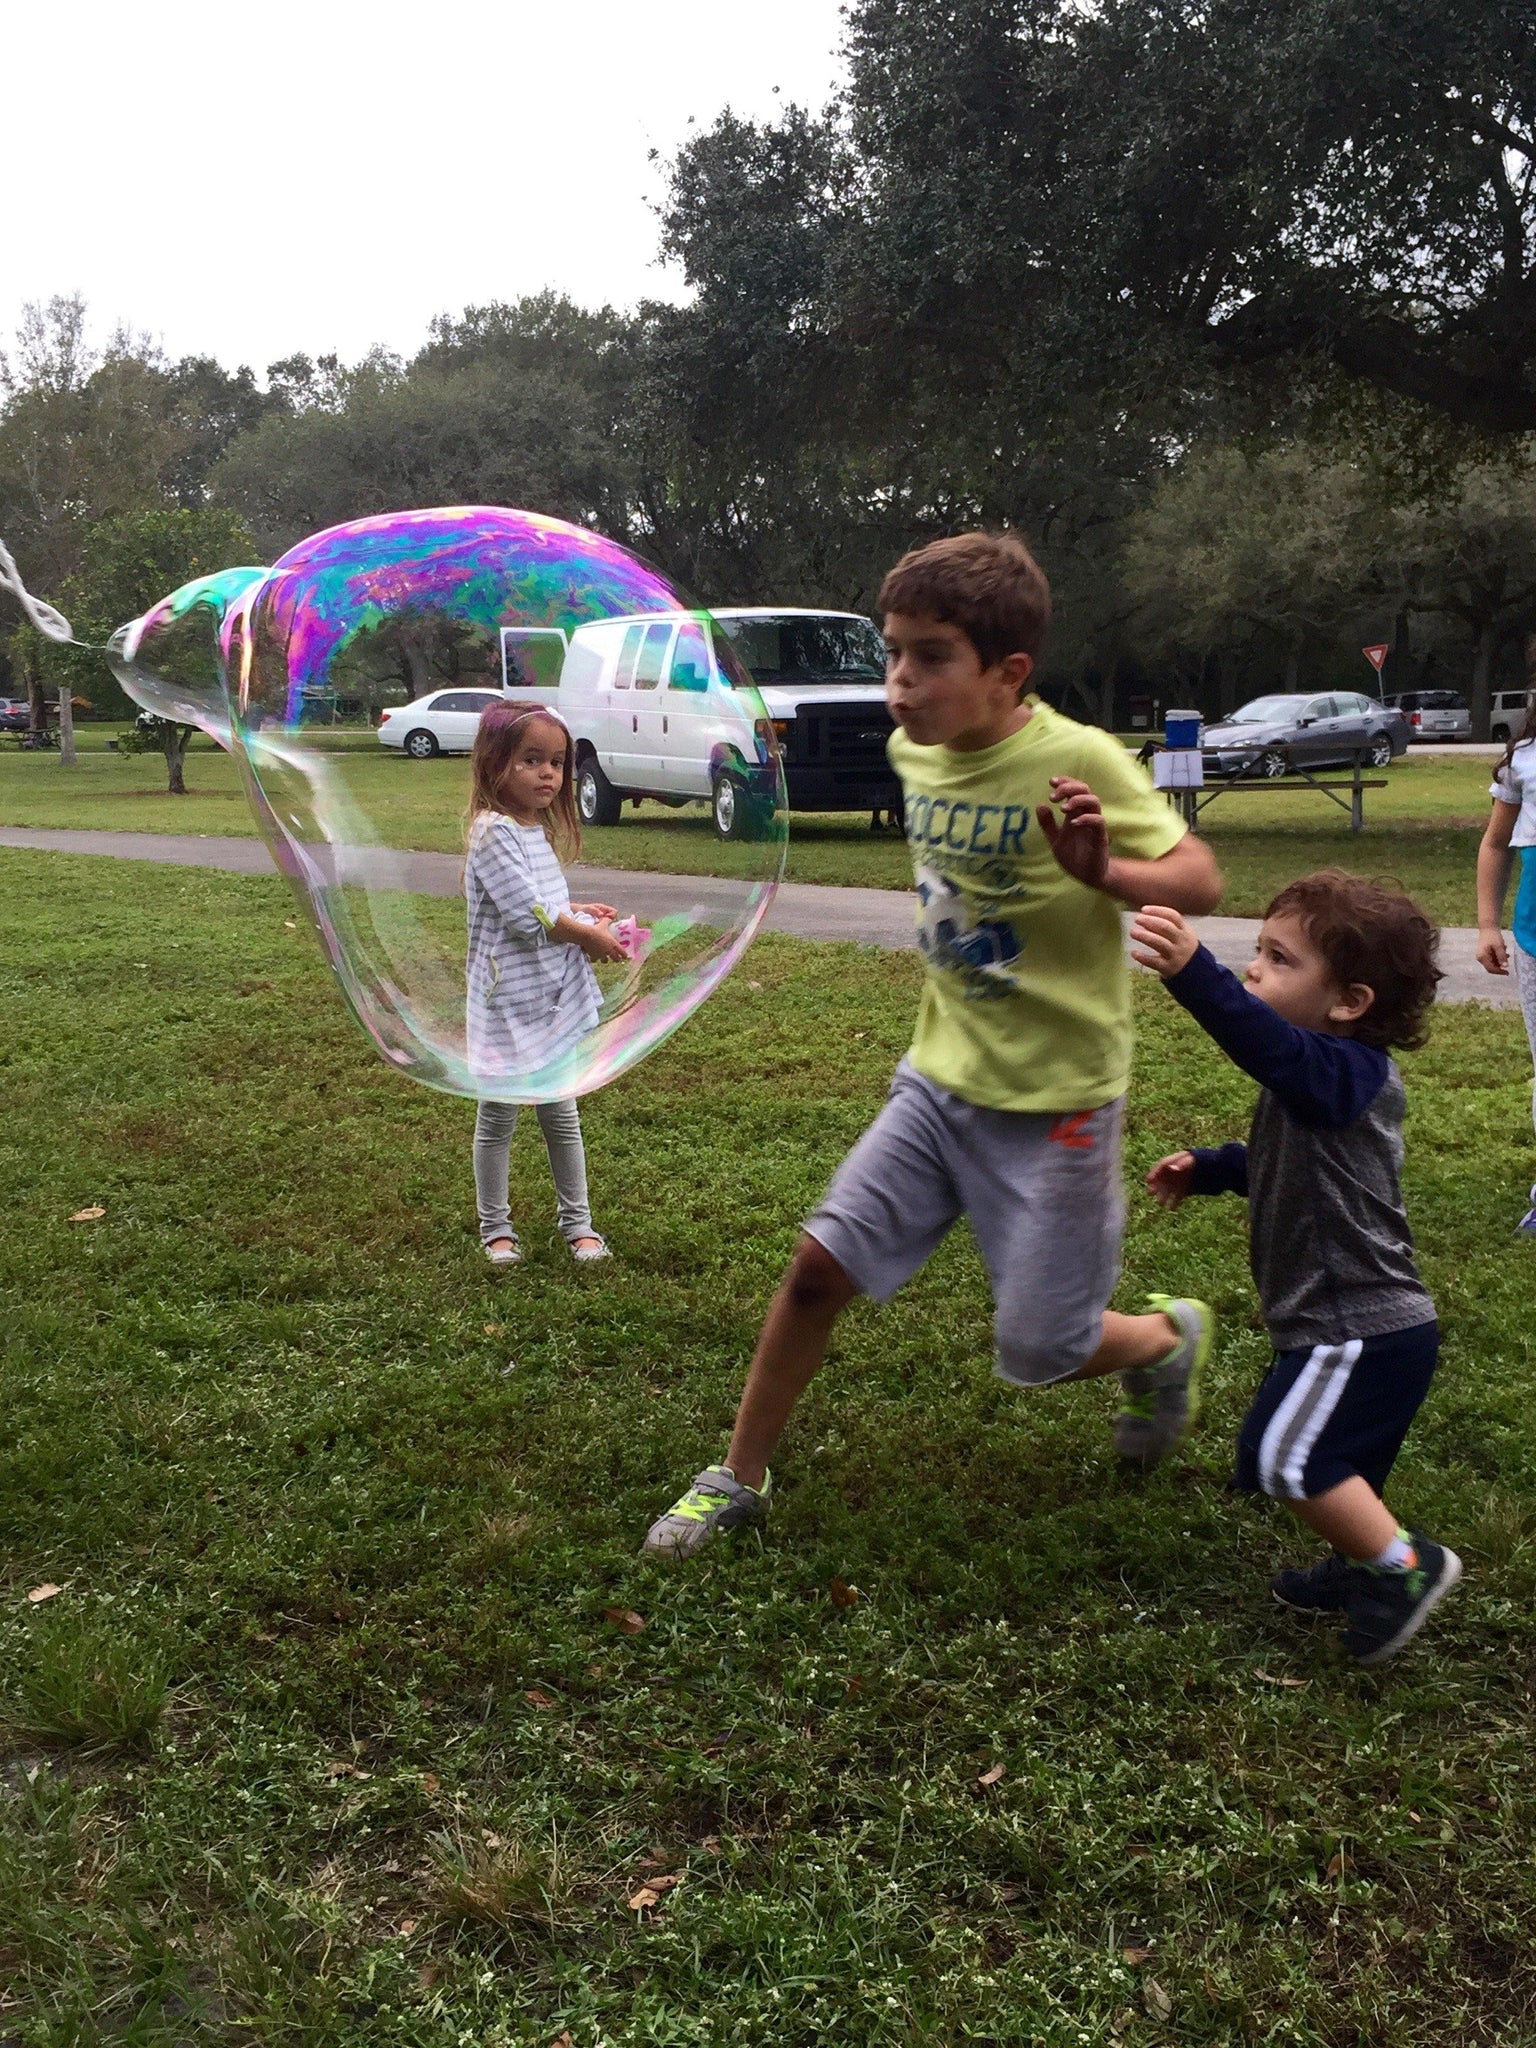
(442, 722)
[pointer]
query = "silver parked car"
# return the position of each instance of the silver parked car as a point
(1272, 735)
(1434, 714)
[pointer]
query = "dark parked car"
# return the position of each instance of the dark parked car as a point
(1273, 735)
(14, 715)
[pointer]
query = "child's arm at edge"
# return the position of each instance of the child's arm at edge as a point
(1186, 876)
(1320, 1078)
(1202, 1170)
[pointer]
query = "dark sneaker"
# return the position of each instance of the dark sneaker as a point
(1320, 1589)
(1162, 1402)
(1527, 1224)
(1386, 1609)
(714, 1503)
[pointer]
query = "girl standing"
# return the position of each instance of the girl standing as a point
(531, 990)
(1511, 830)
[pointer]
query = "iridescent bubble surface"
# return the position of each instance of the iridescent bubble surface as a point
(297, 668)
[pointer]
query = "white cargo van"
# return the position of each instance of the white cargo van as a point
(642, 699)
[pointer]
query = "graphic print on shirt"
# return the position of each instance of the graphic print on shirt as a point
(967, 884)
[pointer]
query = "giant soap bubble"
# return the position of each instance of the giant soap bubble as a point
(290, 667)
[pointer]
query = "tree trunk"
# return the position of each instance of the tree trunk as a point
(1293, 661)
(1482, 678)
(66, 728)
(37, 703)
(175, 753)
(1226, 682)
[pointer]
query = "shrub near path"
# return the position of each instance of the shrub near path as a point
(1423, 828)
(357, 1719)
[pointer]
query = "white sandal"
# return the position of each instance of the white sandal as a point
(588, 1254)
(504, 1252)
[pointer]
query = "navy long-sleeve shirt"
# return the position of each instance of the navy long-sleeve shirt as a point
(1330, 1247)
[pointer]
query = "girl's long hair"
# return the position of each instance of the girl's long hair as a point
(502, 730)
(1528, 730)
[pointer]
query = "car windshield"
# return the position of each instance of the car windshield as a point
(1269, 711)
(811, 648)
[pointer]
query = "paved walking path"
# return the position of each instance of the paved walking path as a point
(804, 910)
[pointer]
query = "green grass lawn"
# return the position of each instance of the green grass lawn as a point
(328, 1736)
(1423, 828)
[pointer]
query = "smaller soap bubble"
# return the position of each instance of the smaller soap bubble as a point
(295, 669)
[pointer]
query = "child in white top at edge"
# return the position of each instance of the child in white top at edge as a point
(1512, 829)
(532, 994)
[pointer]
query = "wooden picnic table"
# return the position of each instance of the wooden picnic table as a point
(28, 741)
(1189, 803)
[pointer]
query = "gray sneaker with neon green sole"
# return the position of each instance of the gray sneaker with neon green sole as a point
(715, 1503)
(1161, 1402)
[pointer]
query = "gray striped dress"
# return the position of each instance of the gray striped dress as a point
(529, 999)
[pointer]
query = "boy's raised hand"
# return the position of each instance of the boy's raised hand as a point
(1171, 1179)
(1161, 940)
(1080, 840)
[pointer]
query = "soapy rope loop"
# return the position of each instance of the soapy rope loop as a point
(50, 623)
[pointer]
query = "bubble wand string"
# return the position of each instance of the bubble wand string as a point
(50, 623)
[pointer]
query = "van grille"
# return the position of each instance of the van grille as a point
(849, 739)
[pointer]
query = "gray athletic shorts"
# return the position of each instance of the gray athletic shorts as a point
(1043, 1196)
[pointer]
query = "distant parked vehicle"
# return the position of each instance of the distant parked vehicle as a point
(1272, 735)
(441, 722)
(1508, 715)
(1434, 714)
(641, 698)
(15, 715)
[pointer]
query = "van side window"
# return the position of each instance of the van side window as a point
(583, 668)
(624, 674)
(690, 660)
(652, 657)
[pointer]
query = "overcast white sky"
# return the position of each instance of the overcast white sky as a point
(326, 174)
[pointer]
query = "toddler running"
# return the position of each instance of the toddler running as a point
(1345, 968)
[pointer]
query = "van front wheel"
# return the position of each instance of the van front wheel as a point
(596, 798)
(736, 815)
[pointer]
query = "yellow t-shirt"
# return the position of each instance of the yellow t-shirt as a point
(1026, 1004)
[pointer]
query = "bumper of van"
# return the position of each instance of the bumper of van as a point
(826, 789)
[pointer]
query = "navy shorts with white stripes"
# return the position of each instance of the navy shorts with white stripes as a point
(1325, 1414)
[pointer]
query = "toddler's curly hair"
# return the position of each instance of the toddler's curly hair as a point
(1370, 932)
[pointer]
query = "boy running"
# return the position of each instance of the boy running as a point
(1008, 1107)
(1345, 968)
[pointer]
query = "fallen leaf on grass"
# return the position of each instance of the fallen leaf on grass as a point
(1271, 1678)
(90, 1215)
(1338, 1863)
(991, 1777)
(46, 1591)
(409, 1926)
(1156, 1999)
(625, 1620)
(754, 984)
(853, 1688)
(562, 2041)
(651, 1893)
(494, 1329)
(431, 1783)
(536, 1698)
(1137, 1956)
(1412, 1815)
(290, 924)
(844, 1595)
(428, 1975)
(597, 1671)
(338, 1767)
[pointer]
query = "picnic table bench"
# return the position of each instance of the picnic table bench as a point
(28, 741)
(1189, 803)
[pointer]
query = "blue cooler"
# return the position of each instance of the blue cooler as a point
(1183, 731)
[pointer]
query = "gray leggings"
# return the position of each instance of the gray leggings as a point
(1525, 981)
(494, 1124)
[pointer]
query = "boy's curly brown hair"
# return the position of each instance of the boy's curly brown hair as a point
(1370, 932)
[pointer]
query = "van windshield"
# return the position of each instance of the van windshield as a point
(809, 648)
